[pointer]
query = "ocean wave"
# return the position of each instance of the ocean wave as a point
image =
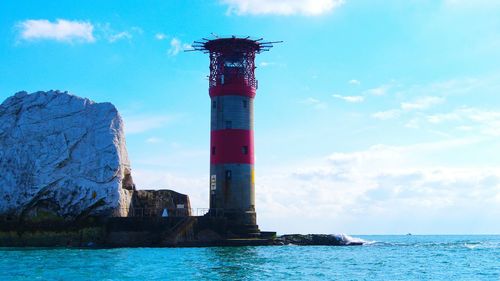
(416, 242)
(349, 240)
(482, 245)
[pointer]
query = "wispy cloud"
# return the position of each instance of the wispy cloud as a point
(70, 31)
(266, 63)
(61, 30)
(272, 64)
(481, 121)
(386, 115)
(422, 103)
(442, 117)
(414, 123)
(315, 103)
(419, 104)
(353, 189)
(351, 99)
(160, 36)
(177, 46)
(281, 7)
(354, 82)
(111, 35)
(119, 36)
(466, 4)
(155, 177)
(136, 124)
(154, 140)
(424, 113)
(378, 91)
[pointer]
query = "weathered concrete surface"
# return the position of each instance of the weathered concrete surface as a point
(111, 232)
(62, 156)
(122, 232)
(149, 232)
(86, 232)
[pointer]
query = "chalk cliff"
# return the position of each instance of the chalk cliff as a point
(62, 156)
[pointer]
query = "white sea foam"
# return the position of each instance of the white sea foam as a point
(482, 245)
(471, 246)
(349, 240)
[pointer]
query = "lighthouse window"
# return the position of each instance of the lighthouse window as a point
(245, 150)
(228, 174)
(213, 150)
(214, 104)
(245, 104)
(229, 124)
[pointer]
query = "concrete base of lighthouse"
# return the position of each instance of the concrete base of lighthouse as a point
(242, 224)
(232, 198)
(239, 224)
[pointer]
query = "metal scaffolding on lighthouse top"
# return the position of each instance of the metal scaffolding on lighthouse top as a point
(232, 59)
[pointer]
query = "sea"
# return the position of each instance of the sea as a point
(392, 257)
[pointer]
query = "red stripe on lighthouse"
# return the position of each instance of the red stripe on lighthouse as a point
(228, 146)
(233, 89)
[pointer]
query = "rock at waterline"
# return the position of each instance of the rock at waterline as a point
(318, 240)
(62, 156)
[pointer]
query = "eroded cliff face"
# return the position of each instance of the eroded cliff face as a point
(62, 156)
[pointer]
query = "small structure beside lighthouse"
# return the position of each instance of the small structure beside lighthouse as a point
(232, 89)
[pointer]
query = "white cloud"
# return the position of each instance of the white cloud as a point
(154, 140)
(195, 186)
(422, 103)
(386, 115)
(271, 63)
(377, 190)
(485, 122)
(351, 99)
(413, 123)
(440, 118)
(160, 36)
(136, 124)
(354, 82)
(465, 128)
(265, 64)
(315, 103)
(119, 36)
(111, 35)
(60, 30)
(379, 91)
(419, 104)
(281, 7)
(177, 46)
(467, 4)
(430, 95)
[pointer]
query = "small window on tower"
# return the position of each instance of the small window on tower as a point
(228, 174)
(245, 150)
(213, 150)
(229, 124)
(245, 104)
(214, 104)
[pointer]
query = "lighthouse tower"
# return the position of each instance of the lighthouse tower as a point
(232, 88)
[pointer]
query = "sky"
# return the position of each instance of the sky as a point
(372, 117)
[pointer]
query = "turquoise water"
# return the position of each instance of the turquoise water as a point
(384, 258)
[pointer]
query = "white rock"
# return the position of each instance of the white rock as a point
(62, 155)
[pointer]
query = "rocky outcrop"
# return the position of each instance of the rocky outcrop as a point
(318, 240)
(62, 156)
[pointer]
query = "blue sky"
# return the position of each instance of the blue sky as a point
(372, 117)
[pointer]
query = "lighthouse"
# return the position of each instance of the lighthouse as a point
(232, 89)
